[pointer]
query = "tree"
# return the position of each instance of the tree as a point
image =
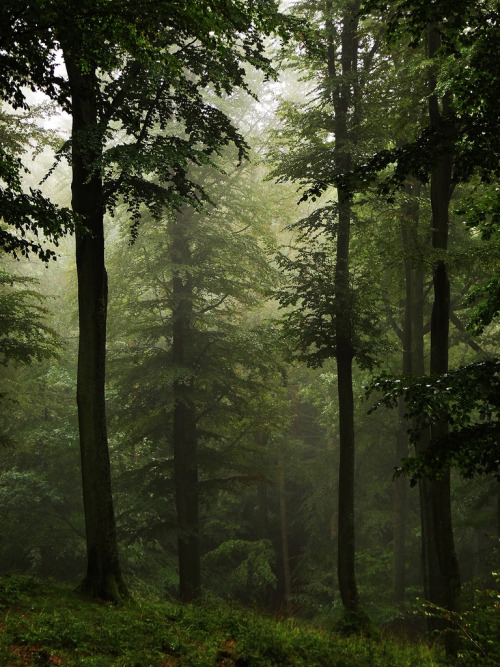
(138, 78)
(195, 350)
(25, 64)
(412, 338)
(459, 144)
(325, 320)
(441, 574)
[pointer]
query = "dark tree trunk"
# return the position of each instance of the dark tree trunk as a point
(184, 427)
(342, 95)
(400, 514)
(413, 364)
(346, 533)
(345, 355)
(262, 514)
(103, 578)
(498, 511)
(441, 574)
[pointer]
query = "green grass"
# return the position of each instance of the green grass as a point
(42, 623)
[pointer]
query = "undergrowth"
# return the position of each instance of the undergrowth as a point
(43, 623)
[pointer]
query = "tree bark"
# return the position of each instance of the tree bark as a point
(345, 356)
(103, 578)
(184, 418)
(440, 565)
(342, 94)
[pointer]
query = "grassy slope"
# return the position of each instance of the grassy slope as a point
(42, 623)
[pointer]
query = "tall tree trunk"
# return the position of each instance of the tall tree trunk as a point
(413, 362)
(441, 574)
(262, 518)
(498, 510)
(287, 585)
(103, 578)
(184, 427)
(342, 96)
(400, 514)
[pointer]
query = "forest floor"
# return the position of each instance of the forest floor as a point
(44, 623)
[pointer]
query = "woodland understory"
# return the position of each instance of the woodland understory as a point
(249, 356)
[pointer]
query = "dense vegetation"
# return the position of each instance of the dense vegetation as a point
(50, 626)
(231, 352)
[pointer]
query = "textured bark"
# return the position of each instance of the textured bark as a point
(440, 565)
(103, 578)
(184, 427)
(343, 104)
(346, 528)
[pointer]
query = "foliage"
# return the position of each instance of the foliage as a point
(42, 621)
(151, 69)
(26, 63)
(157, 157)
(465, 70)
(466, 399)
(231, 356)
(26, 216)
(24, 332)
(356, 623)
(481, 213)
(40, 489)
(154, 71)
(476, 627)
(306, 151)
(242, 567)
(311, 305)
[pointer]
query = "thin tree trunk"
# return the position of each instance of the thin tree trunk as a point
(287, 586)
(103, 578)
(184, 427)
(262, 514)
(400, 513)
(498, 510)
(343, 103)
(413, 360)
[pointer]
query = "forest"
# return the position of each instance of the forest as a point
(249, 354)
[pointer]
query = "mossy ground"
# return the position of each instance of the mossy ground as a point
(43, 623)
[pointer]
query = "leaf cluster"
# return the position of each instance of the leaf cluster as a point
(310, 302)
(466, 72)
(150, 68)
(26, 216)
(154, 113)
(24, 333)
(467, 399)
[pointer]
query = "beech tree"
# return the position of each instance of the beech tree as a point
(131, 77)
(327, 319)
(459, 143)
